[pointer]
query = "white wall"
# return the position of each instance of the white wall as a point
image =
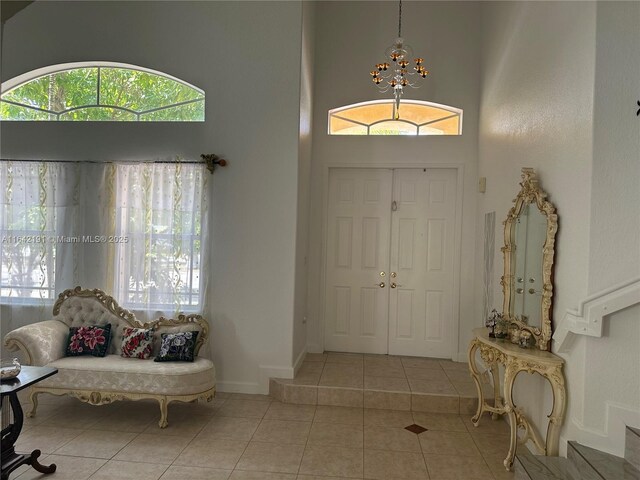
(612, 363)
(246, 57)
(352, 37)
(557, 84)
(304, 181)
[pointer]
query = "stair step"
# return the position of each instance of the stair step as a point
(537, 467)
(597, 465)
(632, 446)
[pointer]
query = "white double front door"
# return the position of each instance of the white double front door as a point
(389, 261)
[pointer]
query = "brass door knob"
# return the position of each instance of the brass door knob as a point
(519, 290)
(381, 284)
(394, 285)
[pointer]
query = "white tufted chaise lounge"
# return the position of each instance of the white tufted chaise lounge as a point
(103, 380)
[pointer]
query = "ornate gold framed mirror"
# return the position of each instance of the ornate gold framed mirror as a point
(529, 243)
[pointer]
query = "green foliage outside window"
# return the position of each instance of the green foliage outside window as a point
(103, 94)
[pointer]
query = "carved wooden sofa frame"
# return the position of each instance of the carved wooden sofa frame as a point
(25, 340)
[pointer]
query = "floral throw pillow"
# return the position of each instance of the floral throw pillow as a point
(137, 342)
(177, 347)
(89, 340)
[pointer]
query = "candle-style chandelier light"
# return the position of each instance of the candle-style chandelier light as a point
(398, 74)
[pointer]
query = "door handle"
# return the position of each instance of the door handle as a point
(519, 290)
(394, 285)
(381, 284)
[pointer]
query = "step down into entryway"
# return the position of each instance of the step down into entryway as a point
(582, 463)
(382, 382)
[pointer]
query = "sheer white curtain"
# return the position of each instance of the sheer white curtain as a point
(39, 222)
(161, 252)
(138, 231)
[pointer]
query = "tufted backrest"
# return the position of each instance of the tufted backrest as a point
(77, 307)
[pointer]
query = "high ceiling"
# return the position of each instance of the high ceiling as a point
(8, 8)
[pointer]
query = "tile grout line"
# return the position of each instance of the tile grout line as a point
(249, 441)
(194, 437)
(315, 409)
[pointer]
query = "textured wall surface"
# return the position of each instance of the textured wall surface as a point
(537, 111)
(613, 362)
(559, 85)
(351, 38)
(237, 53)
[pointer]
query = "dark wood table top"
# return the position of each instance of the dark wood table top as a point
(27, 376)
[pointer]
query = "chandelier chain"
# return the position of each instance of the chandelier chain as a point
(396, 72)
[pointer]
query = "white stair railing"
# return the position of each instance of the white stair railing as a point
(587, 319)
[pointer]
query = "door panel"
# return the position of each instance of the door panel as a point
(422, 249)
(358, 230)
(416, 242)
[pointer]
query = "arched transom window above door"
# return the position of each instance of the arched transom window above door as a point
(100, 91)
(376, 118)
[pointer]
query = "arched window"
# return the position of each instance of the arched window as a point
(376, 118)
(100, 91)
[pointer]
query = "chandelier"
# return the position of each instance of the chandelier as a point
(398, 75)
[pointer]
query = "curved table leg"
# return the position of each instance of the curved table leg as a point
(37, 466)
(10, 459)
(163, 413)
(556, 379)
(475, 374)
(34, 403)
(510, 374)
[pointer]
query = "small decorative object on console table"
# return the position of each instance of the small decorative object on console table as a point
(492, 321)
(10, 433)
(525, 338)
(502, 327)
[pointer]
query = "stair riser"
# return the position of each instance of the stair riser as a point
(533, 467)
(632, 447)
(584, 468)
(607, 466)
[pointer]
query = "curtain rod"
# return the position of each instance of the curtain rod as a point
(210, 159)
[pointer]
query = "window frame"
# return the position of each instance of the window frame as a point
(32, 75)
(334, 112)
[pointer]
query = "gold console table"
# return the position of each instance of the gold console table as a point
(495, 352)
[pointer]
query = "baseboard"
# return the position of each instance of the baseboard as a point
(270, 371)
(612, 438)
(298, 363)
(239, 387)
(462, 357)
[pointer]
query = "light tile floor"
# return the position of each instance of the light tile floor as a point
(386, 373)
(252, 437)
(382, 381)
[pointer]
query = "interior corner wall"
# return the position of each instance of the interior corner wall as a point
(304, 182)
(246, 57)
(613, 361)
(538, 71)
(351, 37)
(615, 206)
